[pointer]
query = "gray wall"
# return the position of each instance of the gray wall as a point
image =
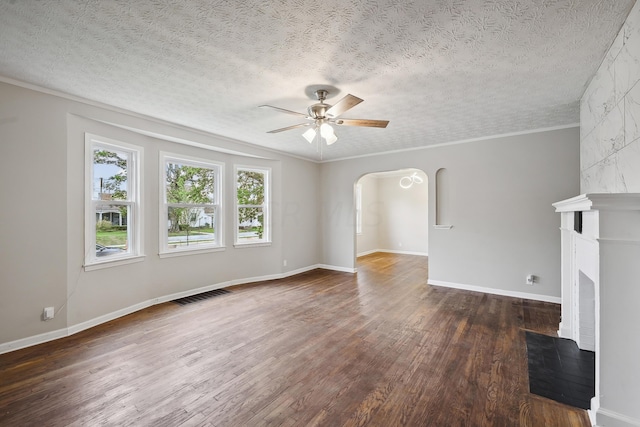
(42, 181)
(610, 117)
(33, 176)
(500, 207)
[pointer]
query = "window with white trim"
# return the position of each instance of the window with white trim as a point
(113, 218)
(191, 213)
(252, 205)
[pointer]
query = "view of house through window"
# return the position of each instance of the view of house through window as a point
(113, 200)
(191, 204)
(252, 205)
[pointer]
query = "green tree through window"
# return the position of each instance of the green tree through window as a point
(252, 186)
(187, 185)
(192, 194)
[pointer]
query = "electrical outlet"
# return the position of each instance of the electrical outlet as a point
(48, 313)
(284, 263)
(531, 279)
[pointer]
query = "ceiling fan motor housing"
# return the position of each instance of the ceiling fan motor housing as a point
(318, 111)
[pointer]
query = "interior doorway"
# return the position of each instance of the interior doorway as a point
(392, 213)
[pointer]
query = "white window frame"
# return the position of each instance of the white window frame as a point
(358, 195)
(135, 243)
(218, 245)
(266, 211)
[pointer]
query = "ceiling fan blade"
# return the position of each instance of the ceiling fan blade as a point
(346, 103)
(282, 110)
(363, 122)
(301, 125)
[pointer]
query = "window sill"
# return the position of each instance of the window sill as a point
(251, 245)
(113, 263)
(185, 252)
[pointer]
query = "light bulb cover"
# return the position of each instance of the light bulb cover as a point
(326, 131)
(331, 139)
(309, 135)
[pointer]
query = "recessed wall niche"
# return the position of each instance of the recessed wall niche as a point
(443, 215)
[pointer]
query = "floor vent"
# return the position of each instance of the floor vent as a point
(201, 297)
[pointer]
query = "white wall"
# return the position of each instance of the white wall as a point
(404, 224)
(42, 250)
(367, 241)
(393, 218)
(610, 117)
(500, 207)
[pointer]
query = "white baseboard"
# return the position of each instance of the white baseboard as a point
(299, 271)
(33, 340)
(514, 294)
(608, 418)
(389, 251)
(79, 327)
(338, 268)
(372, 251)
(60, 333)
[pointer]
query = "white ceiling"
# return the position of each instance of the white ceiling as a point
(439, 70)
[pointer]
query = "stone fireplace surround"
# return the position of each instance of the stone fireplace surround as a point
(601, 297)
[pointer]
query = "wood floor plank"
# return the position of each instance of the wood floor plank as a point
(322, 348)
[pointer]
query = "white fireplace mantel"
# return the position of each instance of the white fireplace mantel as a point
(600, 201)
(601, 297)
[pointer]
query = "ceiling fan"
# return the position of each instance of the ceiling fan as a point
(321, 116)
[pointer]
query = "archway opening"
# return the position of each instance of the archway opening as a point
(392, 213)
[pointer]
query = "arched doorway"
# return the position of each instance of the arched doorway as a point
(392, 213)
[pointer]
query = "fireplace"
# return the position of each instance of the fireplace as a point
(600, 285)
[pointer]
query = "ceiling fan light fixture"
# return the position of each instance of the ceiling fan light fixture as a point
(327, 132)
(309, 135)
(331, 138)
(322, 115)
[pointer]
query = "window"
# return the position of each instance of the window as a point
(358, 208)
(191, 214)
(112, 213)
(252, 206)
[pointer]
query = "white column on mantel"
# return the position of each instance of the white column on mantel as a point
(612, 224)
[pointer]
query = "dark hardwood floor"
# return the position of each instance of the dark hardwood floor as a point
(380, 348)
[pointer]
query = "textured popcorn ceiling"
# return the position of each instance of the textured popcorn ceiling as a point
(439, 70)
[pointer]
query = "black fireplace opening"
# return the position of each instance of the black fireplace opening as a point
(561, 371)
(577, 222)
